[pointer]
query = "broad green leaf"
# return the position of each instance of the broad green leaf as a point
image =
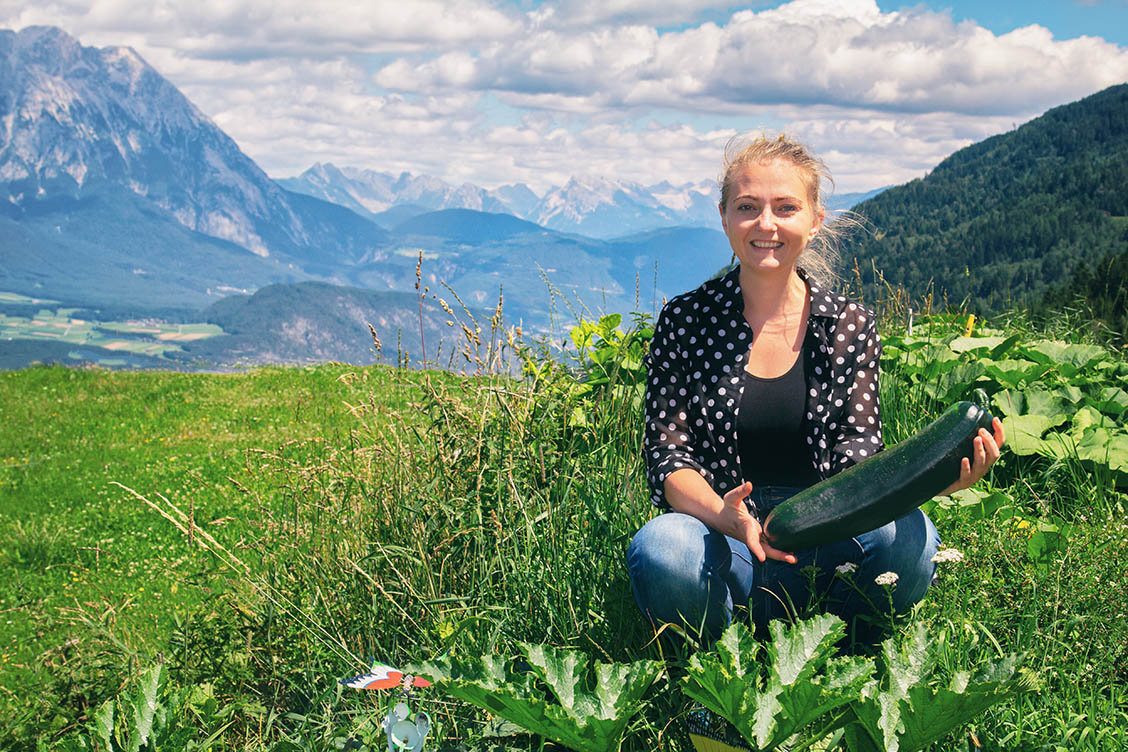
(1045, 540)
(1084, 419)
(1024, 434)
(911, 711)
(1057, 402)
(1012, 373)
(583, 718)
(1111, 400)
(801, 682)
(1010, 402)
(1102, 447)
(968, 344)
(1070, 358)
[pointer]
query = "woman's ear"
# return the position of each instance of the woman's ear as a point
(817, 226)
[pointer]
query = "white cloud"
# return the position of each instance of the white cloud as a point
(806, 52)
(473, 90)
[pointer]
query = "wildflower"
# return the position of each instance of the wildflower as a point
(947, 554)
(886, 578)
(846, 568)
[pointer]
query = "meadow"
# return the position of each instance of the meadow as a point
(224, 548)
(98, 341)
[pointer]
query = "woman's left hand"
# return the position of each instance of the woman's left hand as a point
(985, 450)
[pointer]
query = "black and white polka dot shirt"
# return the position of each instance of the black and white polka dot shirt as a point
(695, 364)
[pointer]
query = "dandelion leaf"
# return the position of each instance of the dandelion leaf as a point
(583, 719)
(103, 724)
(145, 706)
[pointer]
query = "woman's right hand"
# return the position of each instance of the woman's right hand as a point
(741, 524)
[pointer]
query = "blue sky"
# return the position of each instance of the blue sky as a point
(503, 91)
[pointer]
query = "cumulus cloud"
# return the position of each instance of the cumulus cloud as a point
(842, 52)
(233, 29)
(479, 91)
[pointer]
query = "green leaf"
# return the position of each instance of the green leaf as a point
(969, 344)
(1104, 448)
(911, 712)
(1024, 434)
(582, 718)
(1012, 373)
(610, 321)
(800, 684)
(145, 706)
(1070, 358)
(103, 725)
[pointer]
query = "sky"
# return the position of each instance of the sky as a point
(495, 92)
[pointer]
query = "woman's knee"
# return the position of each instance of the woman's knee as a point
(673, 571)
(906, 547)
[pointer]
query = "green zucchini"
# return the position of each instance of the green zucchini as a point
(881, 488)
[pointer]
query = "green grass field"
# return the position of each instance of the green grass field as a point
(153, 339)
(377, 512)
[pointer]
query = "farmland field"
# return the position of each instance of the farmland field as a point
(261, 534)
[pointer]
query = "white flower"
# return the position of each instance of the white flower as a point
(846, 568)
(886, 578)
(947, 554)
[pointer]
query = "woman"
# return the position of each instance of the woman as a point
(763, 382)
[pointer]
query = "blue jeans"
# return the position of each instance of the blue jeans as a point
(685, 573)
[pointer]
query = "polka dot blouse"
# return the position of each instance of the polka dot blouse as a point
(694, 386)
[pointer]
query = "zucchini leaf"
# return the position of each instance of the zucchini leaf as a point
(799, 683)
(582, 718)
(910, 713)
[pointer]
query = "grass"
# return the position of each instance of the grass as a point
(399, 514)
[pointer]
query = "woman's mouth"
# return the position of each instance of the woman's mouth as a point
(766, 244)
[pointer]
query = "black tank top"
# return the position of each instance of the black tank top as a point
(769, 430)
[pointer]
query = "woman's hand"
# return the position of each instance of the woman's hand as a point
(741, 524)
(985, 450)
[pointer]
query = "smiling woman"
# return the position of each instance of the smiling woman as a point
(763, 382)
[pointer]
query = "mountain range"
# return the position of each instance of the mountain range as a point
(594, 206)
(118, 196)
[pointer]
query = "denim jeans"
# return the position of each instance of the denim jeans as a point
(685, 573)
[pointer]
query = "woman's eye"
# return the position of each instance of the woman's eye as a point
(788, 209)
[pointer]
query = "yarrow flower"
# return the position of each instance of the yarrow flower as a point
(846, 568)
(886, 578)
(947, 554)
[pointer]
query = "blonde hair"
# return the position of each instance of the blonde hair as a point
(820, 258)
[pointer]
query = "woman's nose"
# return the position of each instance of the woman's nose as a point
(766, 220)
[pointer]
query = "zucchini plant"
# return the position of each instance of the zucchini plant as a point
(587, 715)
(771, 693)
(909, 708)
(796, 690)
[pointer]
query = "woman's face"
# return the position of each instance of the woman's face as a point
(769, 218)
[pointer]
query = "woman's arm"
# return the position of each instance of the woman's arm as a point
(687, 492)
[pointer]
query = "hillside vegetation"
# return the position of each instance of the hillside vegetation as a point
(328, 515)
(1001, 222)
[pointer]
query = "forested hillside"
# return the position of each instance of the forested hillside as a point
(1001, 222)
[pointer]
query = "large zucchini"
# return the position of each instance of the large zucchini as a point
(881, 488)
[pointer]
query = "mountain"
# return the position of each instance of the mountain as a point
(95, 138)
(593, 206)
(1000, 222)
(465, 226)
(371, 193)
